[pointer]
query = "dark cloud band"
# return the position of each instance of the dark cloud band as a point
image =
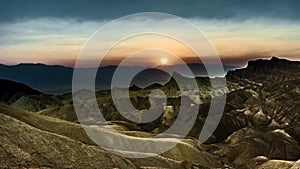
(92, 9)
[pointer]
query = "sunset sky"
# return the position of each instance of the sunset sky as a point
(54, 32)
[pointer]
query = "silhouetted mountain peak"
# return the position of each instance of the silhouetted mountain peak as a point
(274, 58)
(268, 69)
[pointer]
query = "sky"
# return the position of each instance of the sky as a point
(54, 31)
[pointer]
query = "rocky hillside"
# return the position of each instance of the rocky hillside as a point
(260, 126)
(32, 140)
(275, 69)
(11, 91)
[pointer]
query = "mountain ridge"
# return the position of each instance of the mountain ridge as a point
(270, 69)
(59, 78)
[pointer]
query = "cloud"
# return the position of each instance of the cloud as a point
(45, 30)
(59, 40)
(11, 11)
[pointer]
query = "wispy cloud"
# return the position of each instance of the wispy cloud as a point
(57, 40)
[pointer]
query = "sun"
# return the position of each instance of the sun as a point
(163, 61)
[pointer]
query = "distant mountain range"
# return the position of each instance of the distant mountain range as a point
(58, 79)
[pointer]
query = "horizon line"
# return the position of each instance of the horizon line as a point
(166, 65)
